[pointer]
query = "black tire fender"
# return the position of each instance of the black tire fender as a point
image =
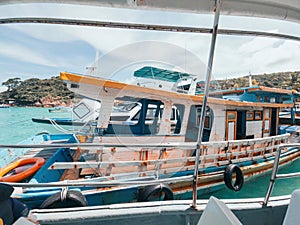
(72, 199)
(145, 194)
(239, 180)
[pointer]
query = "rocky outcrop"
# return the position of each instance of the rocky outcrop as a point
(35, 92)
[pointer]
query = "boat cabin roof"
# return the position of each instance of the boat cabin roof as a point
(276, 9)
(258, 94)
(100, 89)
(160, 74)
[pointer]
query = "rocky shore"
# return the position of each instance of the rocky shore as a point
(36, 92)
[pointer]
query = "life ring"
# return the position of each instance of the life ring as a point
(154, 192)
(71, 198)
(239, 179)
(37, 164)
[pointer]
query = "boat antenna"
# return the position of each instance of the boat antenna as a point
(206, 89)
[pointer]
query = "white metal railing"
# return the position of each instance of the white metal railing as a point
(212, 154)
(275, 174)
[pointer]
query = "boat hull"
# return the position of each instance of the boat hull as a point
(248, 211)
(58, 121)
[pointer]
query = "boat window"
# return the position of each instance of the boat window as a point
(250, 115)
(258, 98)
(194, 121)
(231, 115)
(258, 115)
(267, 118)
(266, 99)
(173, 114)
(81, 110)
(178, 111)
(137, 116)
(150, 115)
(124, 106)
(267, 113)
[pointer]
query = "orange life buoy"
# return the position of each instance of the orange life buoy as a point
(37, 164)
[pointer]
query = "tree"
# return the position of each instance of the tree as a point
(12, 83)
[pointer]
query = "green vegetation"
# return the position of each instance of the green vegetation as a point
(36, 92)
(53, 92)
(284, 80)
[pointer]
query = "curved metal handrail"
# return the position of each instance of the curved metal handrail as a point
(274, 174)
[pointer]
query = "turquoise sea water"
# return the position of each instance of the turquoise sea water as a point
(258, 186)
(16, 125)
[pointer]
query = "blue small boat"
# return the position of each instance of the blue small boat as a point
(59, 121)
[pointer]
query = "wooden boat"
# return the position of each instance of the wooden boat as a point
(152, 156)
(255, 154)
(268, 210)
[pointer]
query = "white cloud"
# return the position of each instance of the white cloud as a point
(23, 53)
(234, 55)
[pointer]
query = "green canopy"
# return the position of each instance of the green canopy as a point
(160, 74)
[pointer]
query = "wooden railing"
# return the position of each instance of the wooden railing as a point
(133, 161)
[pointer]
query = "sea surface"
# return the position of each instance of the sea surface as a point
(16, 125)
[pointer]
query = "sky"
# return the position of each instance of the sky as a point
(43, 50)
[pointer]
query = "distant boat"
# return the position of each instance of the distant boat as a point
(290, 116)
(60, 109)
(4, 106)
(59, 121)
(82, 113)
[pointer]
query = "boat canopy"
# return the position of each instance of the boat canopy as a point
(161, 74)
(258, 94)
(275, 9)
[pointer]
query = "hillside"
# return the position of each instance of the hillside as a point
(53, 92)
(36, 92)
(284, 80)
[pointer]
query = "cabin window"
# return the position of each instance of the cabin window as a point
(150, 115)
(231, 115)
(124, 106)
(267, 113)
(285, 99)
(250, 115)
(267, 118)
(207, 121)
(173, 115)
(194, 121)
(74, 86)
(137, 116)
(231, 124)
(272, 99)
(81, 110)
(258, 115)
(266, 99)
(178, 111)
(258, 98)
(267, 126)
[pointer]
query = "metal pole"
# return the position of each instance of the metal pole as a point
(206, 89)
(273, 176)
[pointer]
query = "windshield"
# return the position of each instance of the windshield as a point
(124, 106)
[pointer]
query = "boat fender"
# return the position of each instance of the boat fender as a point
(37, 164)
(70, 198)
(154, 192)
(239, 179)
